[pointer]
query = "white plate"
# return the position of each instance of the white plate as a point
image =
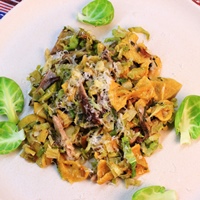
(33, 26)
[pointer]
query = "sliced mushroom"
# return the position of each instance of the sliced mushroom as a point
(48, 79)
(90, 112)
(65, 141)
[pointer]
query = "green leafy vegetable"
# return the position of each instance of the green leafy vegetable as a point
(128, 154)
(10, 137)
(117, 34)
(154, 193)
(11, 99)
(97, 13)
(187, 119)
(140, 30)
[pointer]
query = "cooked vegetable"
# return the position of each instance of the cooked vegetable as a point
(98, 104)
(10, 137)
(140, 30)
(97, 13)
(30, 119)
(11, 99)
(187, 119)
(128, 154)
(154, 193)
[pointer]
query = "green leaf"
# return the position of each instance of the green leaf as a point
(139, 29)
(154, 193)
(187, 119)
(10, 137)
(11, 99)
(97, 13)
(129, 155)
